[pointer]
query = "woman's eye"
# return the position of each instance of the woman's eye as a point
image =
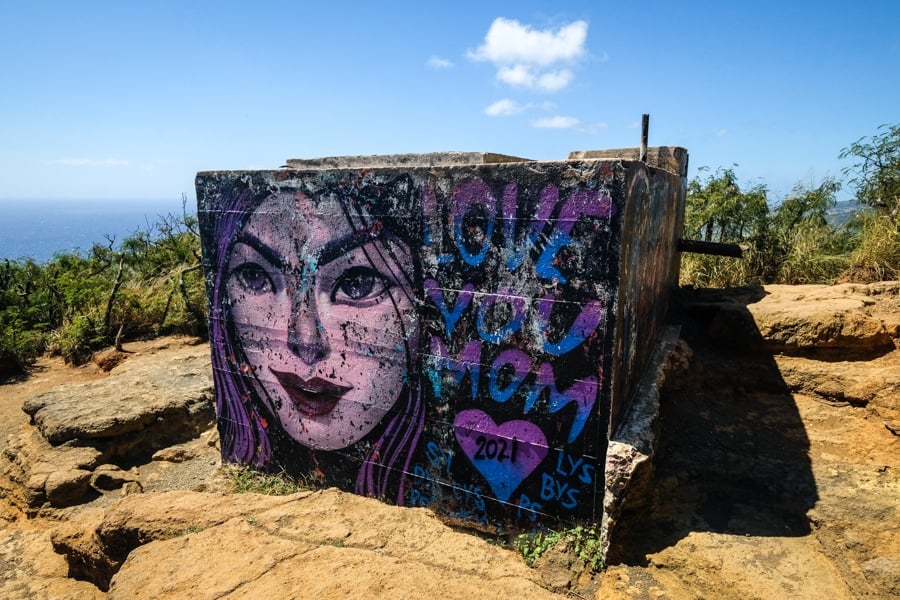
(254, 278)
(359, 284)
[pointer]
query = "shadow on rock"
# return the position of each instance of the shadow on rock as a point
(733, 451)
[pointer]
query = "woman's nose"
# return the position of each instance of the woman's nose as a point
(306, 336)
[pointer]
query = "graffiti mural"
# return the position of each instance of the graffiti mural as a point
(314, 326)
(438, 336)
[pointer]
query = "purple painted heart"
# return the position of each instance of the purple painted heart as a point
(504, 454)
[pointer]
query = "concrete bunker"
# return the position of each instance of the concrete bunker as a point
(463, 331)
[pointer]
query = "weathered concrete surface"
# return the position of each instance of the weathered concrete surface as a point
(670, 158)
(426, 159)
(634, 444)
(533, 294)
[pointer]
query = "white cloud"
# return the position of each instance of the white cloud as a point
(436, 62)
(593, 128)
(517, 75)
(557, 122)
(554, 80)
(526, 77)
(90, 162)
(510, 42)
(530, 58)
(721, 132)
(505, 108)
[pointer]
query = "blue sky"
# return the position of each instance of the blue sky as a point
(127, 100)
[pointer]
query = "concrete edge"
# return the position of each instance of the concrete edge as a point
(633, 445)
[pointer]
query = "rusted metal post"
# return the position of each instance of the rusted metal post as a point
(645, 134)
(714, 248)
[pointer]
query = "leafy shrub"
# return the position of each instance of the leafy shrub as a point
(876, 174)
(877, 258)
(79, 302)
(791, 242)
(18, 349)
(76, 340)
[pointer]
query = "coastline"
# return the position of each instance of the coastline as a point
(39, 228)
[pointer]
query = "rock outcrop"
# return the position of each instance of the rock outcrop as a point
(82, 434)
(776, 476)
(263, 545)
(836, 343)
(841, 322)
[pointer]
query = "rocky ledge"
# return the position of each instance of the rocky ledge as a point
(775, 476)
(86, 438)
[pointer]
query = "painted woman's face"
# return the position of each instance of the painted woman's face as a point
(325, 317)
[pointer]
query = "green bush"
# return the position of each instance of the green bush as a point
(791, 242)
(877, 258)
(19, 348)
(76, 340)
(76, 302)
(812, 255)
(876, 172)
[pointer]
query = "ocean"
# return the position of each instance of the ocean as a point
(40, 228)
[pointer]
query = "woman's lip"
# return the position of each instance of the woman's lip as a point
(312, 397)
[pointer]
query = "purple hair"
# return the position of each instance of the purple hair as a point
(244, 420)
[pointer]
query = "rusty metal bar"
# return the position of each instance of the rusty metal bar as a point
(714, 248)
(645, 134)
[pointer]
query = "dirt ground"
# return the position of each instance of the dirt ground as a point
(763, 487)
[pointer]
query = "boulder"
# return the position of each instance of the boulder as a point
(153, 403)
(65, 488)
(873, 384)
(146, 546)
(110, 477)
(175, 454)
(841, 320)
(28, 461)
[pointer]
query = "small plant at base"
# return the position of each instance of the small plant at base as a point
(533, 545)
(586, 544)
(190, 529)
(583, 542)
(247, 480)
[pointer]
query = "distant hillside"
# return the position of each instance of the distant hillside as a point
(843, 211)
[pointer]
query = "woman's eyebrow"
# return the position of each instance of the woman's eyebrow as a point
(337, 248)
(262, 248)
